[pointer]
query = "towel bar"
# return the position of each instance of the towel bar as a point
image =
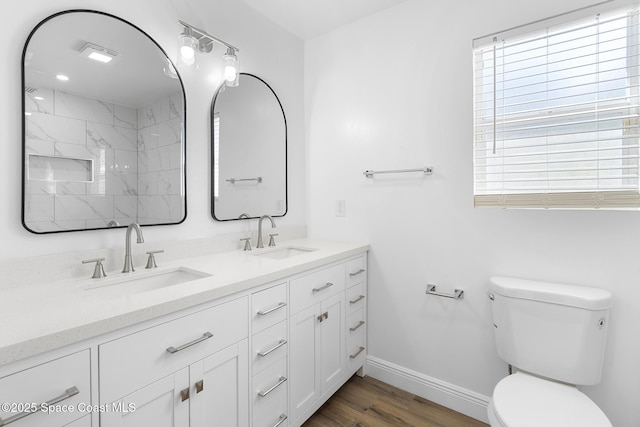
(457, 293)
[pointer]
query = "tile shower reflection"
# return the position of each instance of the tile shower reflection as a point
(135, 156)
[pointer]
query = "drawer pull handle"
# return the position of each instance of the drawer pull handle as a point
(353, 356)
(184, 394)
(272, 349)
(277, 307)
(282, 419)
(322, 288)
(355, 328)
(199, 386)
(204, 337)
(70, 392)
(281, 381)
(360, 298)
(357, 272)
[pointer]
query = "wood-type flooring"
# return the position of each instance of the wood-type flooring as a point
(367, 402)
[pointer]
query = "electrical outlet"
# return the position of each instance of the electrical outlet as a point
(340, 208)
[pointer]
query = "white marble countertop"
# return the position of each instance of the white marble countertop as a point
(40, 317)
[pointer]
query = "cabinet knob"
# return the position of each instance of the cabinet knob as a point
(199, 386)
(184, 394)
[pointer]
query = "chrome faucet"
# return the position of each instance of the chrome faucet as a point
(273, 225)
(128, 263)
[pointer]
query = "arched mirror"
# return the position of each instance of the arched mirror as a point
(103, 127)
(249, 151)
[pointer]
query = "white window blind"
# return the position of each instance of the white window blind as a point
(216, 156)
(556, 115)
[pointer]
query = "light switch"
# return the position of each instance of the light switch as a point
(340, 208)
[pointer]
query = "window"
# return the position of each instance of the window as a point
(216, 156)
(556, 109)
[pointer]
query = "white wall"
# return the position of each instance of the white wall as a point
(265, 50)
(394, 90)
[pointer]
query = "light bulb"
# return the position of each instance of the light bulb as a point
(230, 72)
(188, 46)
(230, 68)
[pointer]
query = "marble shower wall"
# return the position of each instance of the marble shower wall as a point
(160, 162)
(122, 142)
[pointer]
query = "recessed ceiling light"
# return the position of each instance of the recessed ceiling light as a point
(38, 98)
(98, 53)
(62, 77)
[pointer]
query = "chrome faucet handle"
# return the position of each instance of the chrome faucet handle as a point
(151, 261)
(247, 243)
(98, 271)
(272, 241)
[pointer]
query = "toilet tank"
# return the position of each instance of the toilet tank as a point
(553, 330)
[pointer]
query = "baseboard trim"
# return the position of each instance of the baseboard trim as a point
(457, 398)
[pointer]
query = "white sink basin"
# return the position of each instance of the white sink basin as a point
(142, 281)
(285, 252)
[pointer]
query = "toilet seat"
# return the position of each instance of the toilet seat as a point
(523, 400)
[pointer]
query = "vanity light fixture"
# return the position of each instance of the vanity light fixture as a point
(194, 42)
(231, 75)
(188, 46)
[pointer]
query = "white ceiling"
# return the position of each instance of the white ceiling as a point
(310, 18)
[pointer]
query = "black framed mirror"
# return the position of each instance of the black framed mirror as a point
(249, 151)
(103, 126)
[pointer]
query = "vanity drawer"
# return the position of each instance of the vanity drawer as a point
(269, 345)
(357, 271)
(356, 297)
(268, 409)
(129, 363)
(315, 287)
(66, 380)
(356, 339)
(268, 307)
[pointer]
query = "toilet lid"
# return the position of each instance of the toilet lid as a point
(522, 400)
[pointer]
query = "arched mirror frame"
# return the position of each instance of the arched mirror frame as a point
(24, 122)
(220, 90)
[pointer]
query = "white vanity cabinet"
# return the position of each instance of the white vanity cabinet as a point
(356, 312)
(191, 371)
(212, 391)
(51, 394)
(267, 352)
(328, 333)
(317, 347)
(269, 349)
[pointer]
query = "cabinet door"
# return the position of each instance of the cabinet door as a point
(304, 383)
(66, 380)
(160, 404)
(220, 388)
(332, 340)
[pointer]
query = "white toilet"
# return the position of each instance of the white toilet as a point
(554, 336)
